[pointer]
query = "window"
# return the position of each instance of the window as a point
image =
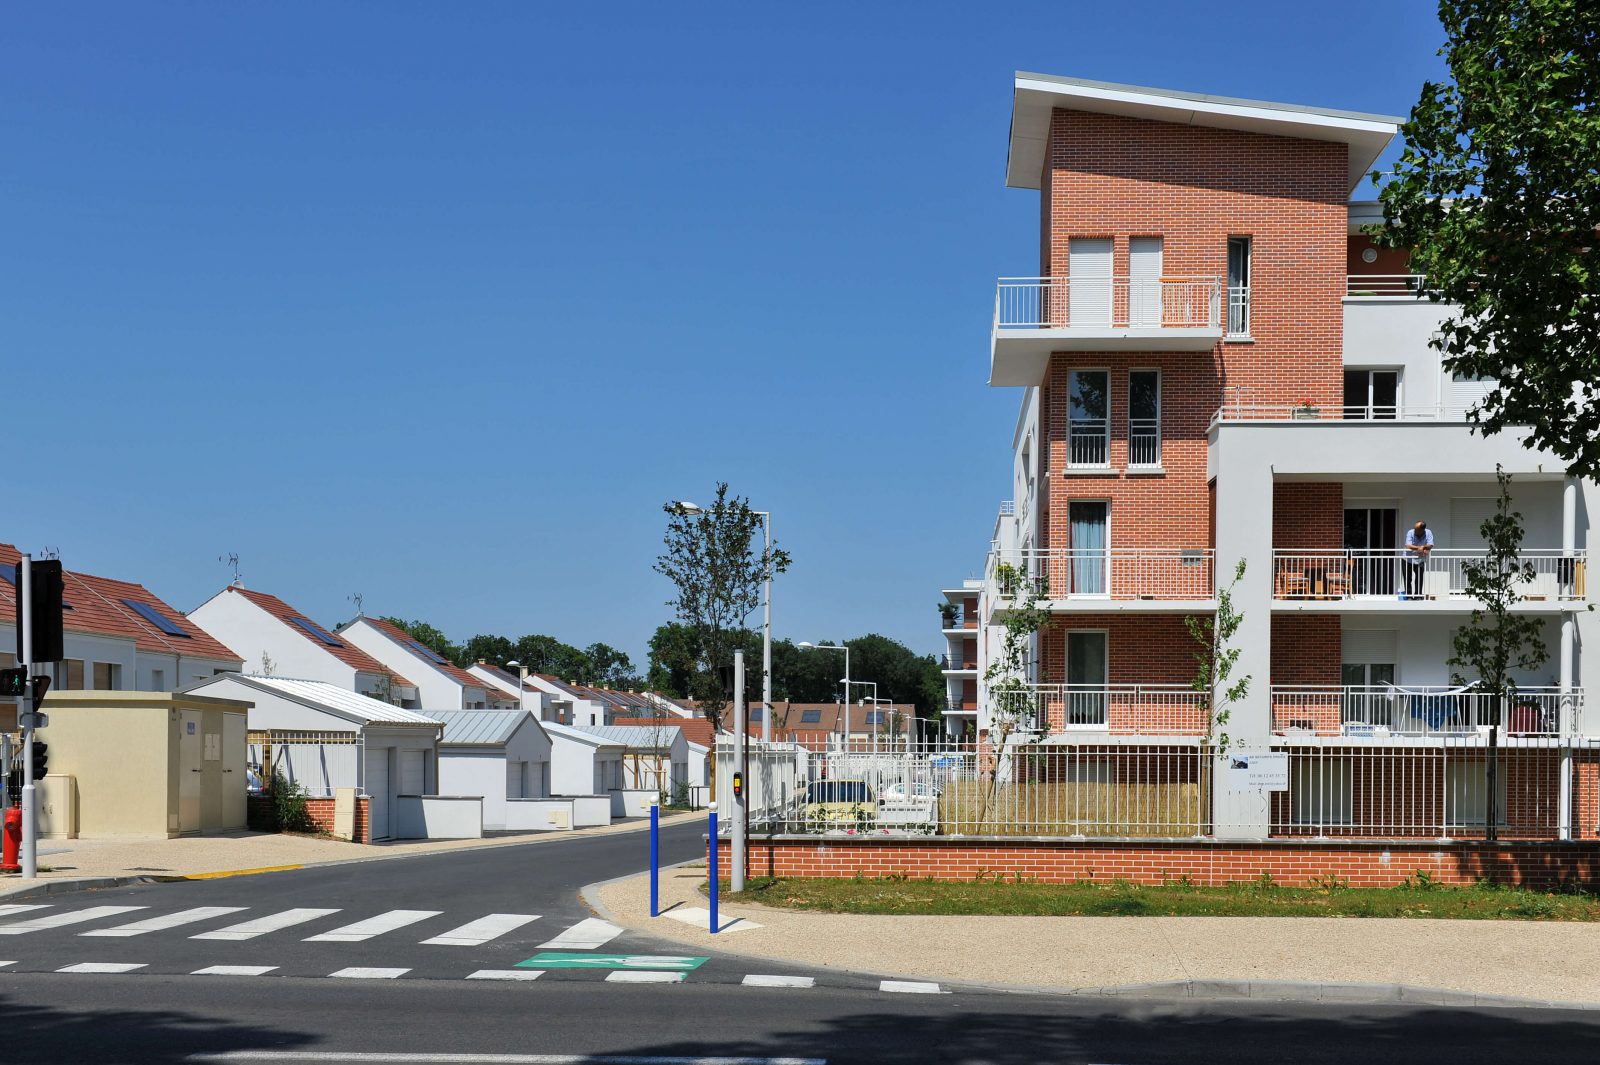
(158, 680)
(1466, 791)
(1089, 284)
(1144, 418)
(1088, 418)
(874, 717)
(1144, 282)
(1319, 791)
(107, 676)
(1238, 286)
(755, 713)
(69, 675)
(1088, 522)
(811, 717)
(1087, 670)
(1371, 394)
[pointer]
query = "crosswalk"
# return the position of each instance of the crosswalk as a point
(327, 930)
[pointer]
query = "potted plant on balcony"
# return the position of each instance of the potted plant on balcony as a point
(948, 613)
(1306, 409)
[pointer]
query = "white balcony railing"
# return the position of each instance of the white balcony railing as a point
(1558, 576)
(1385, 284)
(1386, 709)
(1156, 709)
(1144, 442)
(1106, 573)
(1108, 303)
(1337, 412)
(1239, 311)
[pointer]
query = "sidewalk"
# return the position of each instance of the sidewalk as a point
(232, 854)
(1350, 959)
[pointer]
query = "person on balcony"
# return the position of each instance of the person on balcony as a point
(1419, 545)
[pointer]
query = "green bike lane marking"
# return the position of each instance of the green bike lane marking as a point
(563, 960)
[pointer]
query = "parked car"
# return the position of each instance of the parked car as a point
(839, 802)
(916, 789)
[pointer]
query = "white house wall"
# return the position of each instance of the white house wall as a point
(435, 691)
(251, 632)
(1423, 647)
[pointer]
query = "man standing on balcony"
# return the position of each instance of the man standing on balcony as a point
(1419, 544)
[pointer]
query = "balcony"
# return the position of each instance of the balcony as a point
(1337, 413)
(1385, 286)
(1130, 709)
(1143, 578)
(1383, 577)
(1381, 711)
(1034, 316)
(962, 663)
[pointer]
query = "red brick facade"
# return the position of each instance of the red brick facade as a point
(262, 818)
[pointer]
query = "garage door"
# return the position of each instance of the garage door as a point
(378, 789)
(516, 774)
(411, 775)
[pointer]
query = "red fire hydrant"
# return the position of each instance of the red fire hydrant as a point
(11, 841)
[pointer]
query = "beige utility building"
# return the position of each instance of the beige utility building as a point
(142, 764)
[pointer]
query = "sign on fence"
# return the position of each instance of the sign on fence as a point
(1258, 771)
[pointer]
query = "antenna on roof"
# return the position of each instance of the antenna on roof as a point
(355, 597)
(231, 560)
(50, 552)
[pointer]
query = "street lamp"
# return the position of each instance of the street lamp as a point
(522, 682)
(807, 645)
(685, 507)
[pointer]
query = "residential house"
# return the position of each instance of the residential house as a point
(441, 684)
(571, 704)
(582, 763)
(501, 755)
(278, 640)
(119, 636)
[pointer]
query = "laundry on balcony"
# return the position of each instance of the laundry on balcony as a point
(1431, 705)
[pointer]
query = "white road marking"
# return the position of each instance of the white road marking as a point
(483, 1059)
(757, 980)
(262, 925)
(643, 976)
(161, 924)
(59, 920)
(911, 987)
(234, 970)
(373, 926)
(367, 972)
(102, 967)
(476, 933)
(3, 964)
(700, 917)
(19, 907)
(506, 974)
(587, 934)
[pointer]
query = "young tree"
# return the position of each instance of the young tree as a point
(1495, 195)
(1495, 640)
(1012, 705)
(1215, 658)
(711, 558)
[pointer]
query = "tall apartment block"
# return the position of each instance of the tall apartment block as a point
(1216, 366)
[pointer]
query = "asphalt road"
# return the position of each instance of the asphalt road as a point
(430, 1011)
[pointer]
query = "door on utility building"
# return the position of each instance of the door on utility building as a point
(1370, 539)
(377, 786)
(191, 770)
(516, 779)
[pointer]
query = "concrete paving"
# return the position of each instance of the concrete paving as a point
(1522, 960)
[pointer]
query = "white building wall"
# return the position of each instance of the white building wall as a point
(252, 633)
(435, 690)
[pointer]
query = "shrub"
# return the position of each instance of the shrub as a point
(289, 805)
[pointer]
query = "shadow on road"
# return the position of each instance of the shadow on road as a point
(32, 1033)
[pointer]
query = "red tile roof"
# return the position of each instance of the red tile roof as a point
(346, 652)
(98, 608)
(695, 729)
(405, 640)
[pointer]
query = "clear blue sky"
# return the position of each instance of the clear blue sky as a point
(439, 302)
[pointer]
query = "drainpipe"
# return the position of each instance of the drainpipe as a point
(1567, 708)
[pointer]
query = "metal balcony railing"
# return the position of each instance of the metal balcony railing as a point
(1337, 412)
(1106, 573)
(1157, 709)
(1144, 442)
(1239, 311)
(1088, 442)
(1385, 284)
(1108, 303)
(1387, 709)
(961, 661)
(1558, 576)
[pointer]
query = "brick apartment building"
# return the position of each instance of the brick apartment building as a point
(1216, 364)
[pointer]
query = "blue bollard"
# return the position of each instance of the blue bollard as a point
(713, 853)
(655, 861)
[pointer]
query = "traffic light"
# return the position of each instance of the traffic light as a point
(41, 760)
(738, 785)
(44, 591)
(13, 683)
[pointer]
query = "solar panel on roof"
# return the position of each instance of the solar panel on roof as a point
(318, 631)
(156, 618)
(426, 652)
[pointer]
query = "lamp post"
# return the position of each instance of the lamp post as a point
(522, 683)
(766, 613)
(807, 645)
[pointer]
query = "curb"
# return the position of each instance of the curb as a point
(57, 887)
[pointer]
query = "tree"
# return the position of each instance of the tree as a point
(1495, 640)
(711, 560)
(609, 667)
(429, 637)
(546, 654)
(1215, 658)
(1497, 198)
(496, 650)
(1013, 704)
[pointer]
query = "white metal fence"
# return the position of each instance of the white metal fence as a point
(1107, 302)
(319, 762)
(1353, 574)
(1367, 710)
(1107, 573)
(1384, 284)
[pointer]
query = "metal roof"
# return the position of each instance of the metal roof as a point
(321, 696)
(567, 732)
(635, 737)
(488, 728)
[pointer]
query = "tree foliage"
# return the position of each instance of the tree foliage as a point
(1497, 194)
(711, 560)
(1215, 657)
(598, 664)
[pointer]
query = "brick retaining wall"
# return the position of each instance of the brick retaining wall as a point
(1294, 863)
(260, 815)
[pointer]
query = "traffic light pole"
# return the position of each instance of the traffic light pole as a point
(740, 759)
(30, 831)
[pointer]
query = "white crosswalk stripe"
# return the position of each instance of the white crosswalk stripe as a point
(373, 926)
(161, 924)
(19, 907)
(506, 974)
(476, 933)
(367, 972)
(102, 967)
(234, 970)
(60, 920)
(585, 935)
(643, 976)
(759, 980)
(911, 987)
(3, 964)
(262, 925)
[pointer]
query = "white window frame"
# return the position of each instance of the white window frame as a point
(1228, 287)
(1106, 435)
(1066, 677)
(1160, 386)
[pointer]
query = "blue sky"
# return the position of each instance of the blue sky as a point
(438, 303)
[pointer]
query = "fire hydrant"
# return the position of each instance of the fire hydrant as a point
(11, 841)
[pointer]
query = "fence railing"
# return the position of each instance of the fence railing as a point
(1088, 442)
(1366, 711)
(1385, 284)
(1239, 311)
(1107, 303)
(1359, 573)
(1144, 442)
(320, 762)
(1106, 573)
(1155, 709)
(1437, 791)
(1338, 412)
(961, 661)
